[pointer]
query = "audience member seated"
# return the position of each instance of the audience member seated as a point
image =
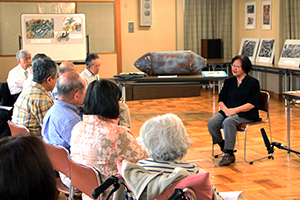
(166, 141)
(33, 103)
(91, 73)
(26, 171)
(239, 101)
(63, 115)
(19, 74)
(28, 81)
(65, 66)
(98, 140)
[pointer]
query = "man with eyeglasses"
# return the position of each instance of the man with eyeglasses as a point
(20, 73)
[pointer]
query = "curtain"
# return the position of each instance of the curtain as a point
(291, 19)
(207, 19)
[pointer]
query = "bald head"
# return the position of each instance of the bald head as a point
(66, 66)
(70, 83)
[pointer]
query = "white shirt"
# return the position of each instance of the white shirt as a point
(88, 76)
(16, 78)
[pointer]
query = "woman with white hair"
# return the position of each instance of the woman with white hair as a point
(166, 141)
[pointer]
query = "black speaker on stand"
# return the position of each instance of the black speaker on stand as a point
(211, 48)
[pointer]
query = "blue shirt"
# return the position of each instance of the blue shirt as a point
(59, 122)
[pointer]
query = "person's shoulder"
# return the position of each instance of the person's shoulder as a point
(230, 79)
(13, 70)
(251, 78)
(84, 72)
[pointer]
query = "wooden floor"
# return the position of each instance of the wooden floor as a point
(266, 179)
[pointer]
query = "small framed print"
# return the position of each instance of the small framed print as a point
(290, 53)
(265, 52)
(267, 11)
(250, 15)
(249, 47)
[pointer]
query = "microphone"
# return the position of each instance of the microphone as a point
(266, 141)
(106, 184)
(278, 145)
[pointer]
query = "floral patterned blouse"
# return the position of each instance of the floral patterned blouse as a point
(100, 142)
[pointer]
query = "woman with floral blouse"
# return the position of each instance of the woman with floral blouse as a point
(98, 140)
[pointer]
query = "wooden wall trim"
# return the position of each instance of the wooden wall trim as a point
(118, 37)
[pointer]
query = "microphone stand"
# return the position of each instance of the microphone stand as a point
(283, 147)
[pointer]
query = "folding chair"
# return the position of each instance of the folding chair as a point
(84, 177)
(264, 107)
(59, 159)
(17, 129)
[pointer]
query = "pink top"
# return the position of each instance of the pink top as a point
(100, 142)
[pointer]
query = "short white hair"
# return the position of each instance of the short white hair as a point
(22, 53)
(165, 137)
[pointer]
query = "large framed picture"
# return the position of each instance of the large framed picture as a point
(267, 11)
(290, 54)
(265, 52)
(249, 47)
(250, 15)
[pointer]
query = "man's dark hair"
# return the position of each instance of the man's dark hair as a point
(89, 58)
(38, 56)
(42, 69)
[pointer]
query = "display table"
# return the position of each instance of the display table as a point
(289, 96)
(165, 80)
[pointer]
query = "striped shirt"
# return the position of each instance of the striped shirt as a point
(167, 166)
(31, 107)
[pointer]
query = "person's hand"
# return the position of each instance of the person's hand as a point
(229, 112)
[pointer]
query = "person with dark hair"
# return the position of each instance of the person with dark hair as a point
(57, 127)
(33, 103)
(239, 101)
(90, 73)
(26, 171)
(98, 140)
(28, 81)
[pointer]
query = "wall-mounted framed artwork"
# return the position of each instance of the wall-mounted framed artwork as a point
(250, 15)
(290, 54)
(265, 52)
(249, 47)
(267, 14)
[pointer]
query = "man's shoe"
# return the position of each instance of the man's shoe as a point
(227, 159)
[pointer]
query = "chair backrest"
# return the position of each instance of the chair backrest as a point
(264, 101)
(59, 158)
(199, 184)
(17, 129)
(84, 177)
(6, 98)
